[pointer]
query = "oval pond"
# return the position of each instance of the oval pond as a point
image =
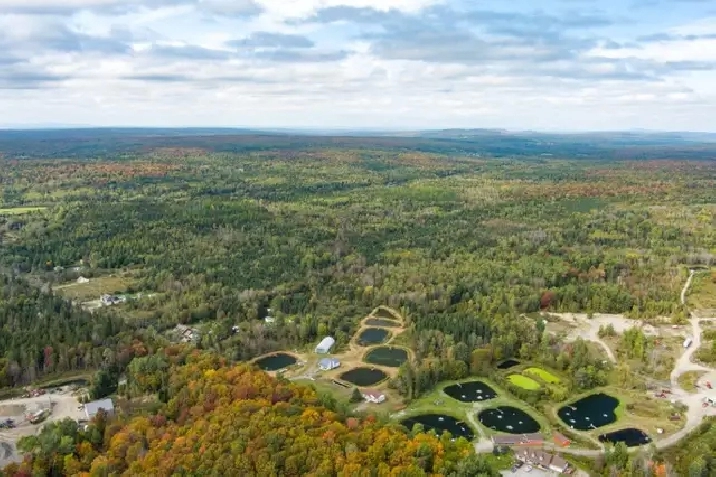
(470, 391)
(631, 436)
(276, 361)
(386, 356)
(508, 419)
(371, 336)
(363, 376)
(508, 363)
(590, 412)
(440, 424)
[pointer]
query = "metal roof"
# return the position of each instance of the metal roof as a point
(92, 408)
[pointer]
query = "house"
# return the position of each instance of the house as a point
(92, 408)
(543, 460)
(112, 299)
(534, 439)
(325, 345)
(371, 395)
(82, 280)
(326, 364)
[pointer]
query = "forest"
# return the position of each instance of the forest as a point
(209, 233)
(277, 428)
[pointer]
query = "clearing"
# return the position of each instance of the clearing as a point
(542, 374)
(20, 210)
(62, 403)
(523, 382)
(96, 287)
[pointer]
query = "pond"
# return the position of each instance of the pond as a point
(382, 322)
(630, 436)
(371, 336)
(440, 424)
(470, 391)
(363, 376)
(276, 361)
(590, 412)
(507, 364)
(386, 356)
(508, 419)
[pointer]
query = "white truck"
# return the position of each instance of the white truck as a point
(687, 342)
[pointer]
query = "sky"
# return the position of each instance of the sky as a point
(551, 65)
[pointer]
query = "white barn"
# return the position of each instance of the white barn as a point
(325, 345)
(326, 364)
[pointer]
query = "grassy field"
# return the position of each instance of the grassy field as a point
(95, 288)
(542, 374)
(20, 210)
(689, 378)
(524, 382)
(703, 291)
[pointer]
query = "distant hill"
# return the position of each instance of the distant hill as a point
(96, 142)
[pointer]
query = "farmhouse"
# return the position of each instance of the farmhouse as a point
(325, 345)
(326, 364)
(92, 408)
(534, 439)
(371, 395)
(541, 459)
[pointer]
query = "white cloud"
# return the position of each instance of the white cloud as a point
(178, 63)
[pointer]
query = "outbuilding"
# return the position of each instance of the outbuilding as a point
(325, 345)
(326, 364)
(92, 408)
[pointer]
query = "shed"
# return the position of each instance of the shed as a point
(326, 364)
(325, 345)
(92, 408)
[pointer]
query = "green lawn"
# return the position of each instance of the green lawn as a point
(20, 210)
(542, 374)
(523, 382)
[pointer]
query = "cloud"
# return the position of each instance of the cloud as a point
(356, 62)
(273, 40)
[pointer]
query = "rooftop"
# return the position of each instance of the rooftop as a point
(92, 408)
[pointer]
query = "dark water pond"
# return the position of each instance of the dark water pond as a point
(382, 322)
(386, 356)
(363, 376)
(371, 336)
(276, 361)
(470, 391)
(590, 412)
(507, 364)
(440, 424)
(508, 419)
(630, 436)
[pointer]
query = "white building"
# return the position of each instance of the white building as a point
(92, 408)
(326, 364)
(325, 345)
(371, 395)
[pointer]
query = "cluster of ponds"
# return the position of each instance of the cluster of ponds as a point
(371, 336)
(363, 376)
(470, 391)
(386, 356)
(440, 423)
(508, 419)
(590, 412)
(276, 361)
